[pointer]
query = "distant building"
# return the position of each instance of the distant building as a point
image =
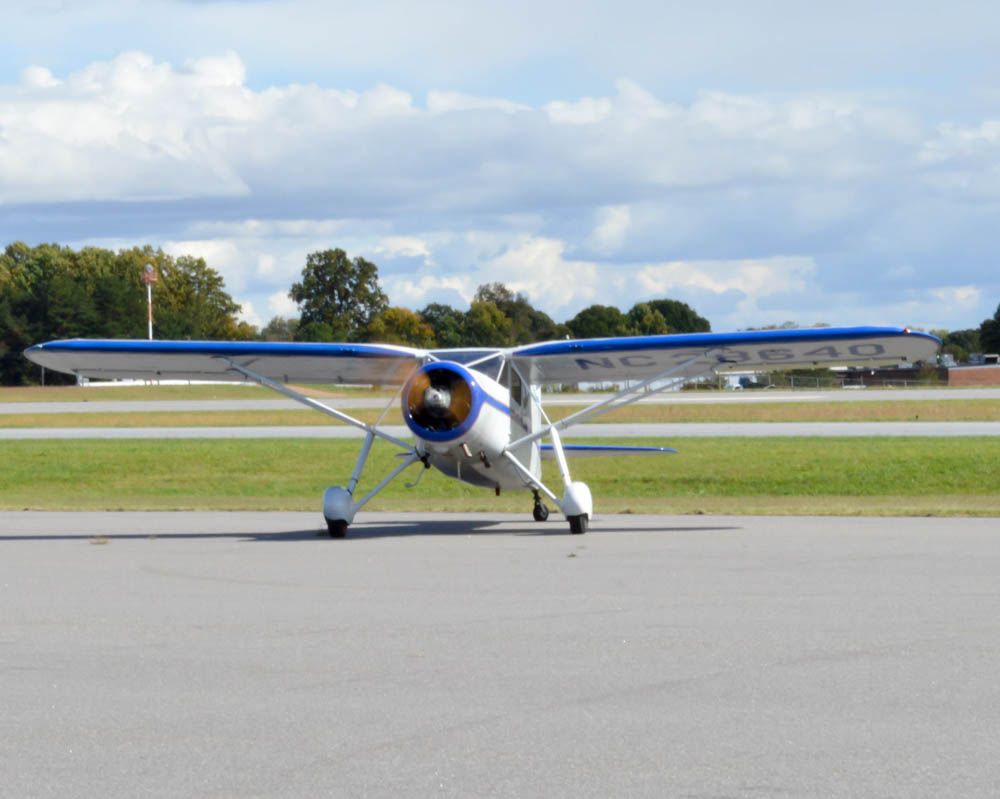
(975, 375)
(900, 375)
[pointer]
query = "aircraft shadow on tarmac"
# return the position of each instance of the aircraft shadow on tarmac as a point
(362, 531)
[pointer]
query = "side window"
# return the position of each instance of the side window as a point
(515, 388)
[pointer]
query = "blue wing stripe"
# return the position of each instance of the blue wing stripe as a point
(711, 340)
(226, 348)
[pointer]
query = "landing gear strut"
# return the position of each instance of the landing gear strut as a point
(540, 512)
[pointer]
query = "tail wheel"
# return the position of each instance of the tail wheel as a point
(578, 524)
(337, 527)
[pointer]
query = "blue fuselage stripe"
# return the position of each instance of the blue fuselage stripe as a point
(496, 403)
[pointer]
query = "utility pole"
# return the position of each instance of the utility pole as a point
(149, 275)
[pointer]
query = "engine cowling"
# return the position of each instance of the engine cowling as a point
(447, 405)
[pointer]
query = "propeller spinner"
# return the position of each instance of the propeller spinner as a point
(439, 399)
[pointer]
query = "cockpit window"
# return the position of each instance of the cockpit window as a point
(489, 366)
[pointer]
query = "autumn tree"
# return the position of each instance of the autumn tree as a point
(401, 326)
(485, 325)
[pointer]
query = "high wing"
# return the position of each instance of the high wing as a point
(284, 362)
(580, 360)
(692, 354)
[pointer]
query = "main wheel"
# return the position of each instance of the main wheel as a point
(541, 513)
(578, 524)
(337, 527)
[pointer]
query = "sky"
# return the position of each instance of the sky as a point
(765, 162)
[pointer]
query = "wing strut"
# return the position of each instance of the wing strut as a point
(576, 502)
(612, 403)
(339, 506)
(318, 406)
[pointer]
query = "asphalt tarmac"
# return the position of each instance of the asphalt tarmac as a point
(244, 654)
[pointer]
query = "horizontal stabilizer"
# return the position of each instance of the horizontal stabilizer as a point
(590, 450)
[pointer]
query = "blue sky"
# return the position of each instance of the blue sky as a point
(764, 162)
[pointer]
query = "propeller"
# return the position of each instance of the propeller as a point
(439, 400)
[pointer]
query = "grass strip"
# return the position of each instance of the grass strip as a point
(929, 411)
(853, 476)
(198, 391)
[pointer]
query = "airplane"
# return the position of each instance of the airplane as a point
(476, 414)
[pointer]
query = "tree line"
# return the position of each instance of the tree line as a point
(340, 299)
(49, 291)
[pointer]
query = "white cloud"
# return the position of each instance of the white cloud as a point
(403, 245)
(248, 314)
(613, 224)
(439, 102)
(587, 111)
(136, 129)
(280, 304)
(744, 285)
(271, 228)
(571, 200)
(416, 293)
(753, 278)
(38, 78)
(961, 296)
(539, 267)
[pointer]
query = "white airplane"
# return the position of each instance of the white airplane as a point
(476, 414)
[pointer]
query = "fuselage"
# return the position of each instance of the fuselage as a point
(463, 421)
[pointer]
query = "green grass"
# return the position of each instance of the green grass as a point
(927, 411)
(851, 476)
(962, 410)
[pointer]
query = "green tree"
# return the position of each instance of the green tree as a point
(446, 322)
(528, 324)
(680, 317)
(485, 325)
(69, 308)
(317, 331)
(401, 326)
(189, 298)
(599, 321)
(340, 293)
(48, 291)
(16, 334)
(280, 329)
(196, 303)
(989, 333)
(645, 320)
(959, 343)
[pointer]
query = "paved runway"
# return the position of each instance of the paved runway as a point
(103, 400)
(595, 430)
(242, 654)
